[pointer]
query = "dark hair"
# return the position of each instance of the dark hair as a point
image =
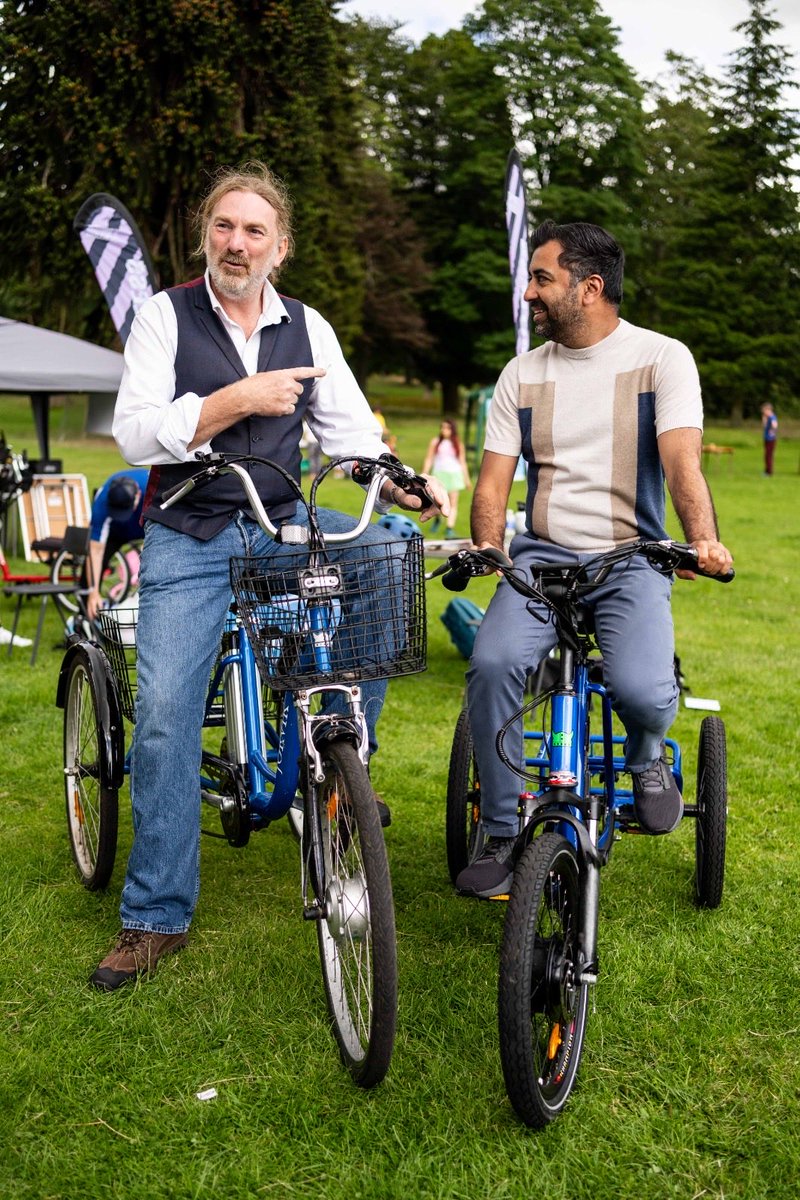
(587, 250)
(121, 498)
(453, 435)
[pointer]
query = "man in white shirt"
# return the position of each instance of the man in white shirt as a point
(223, 362)
(602, 412)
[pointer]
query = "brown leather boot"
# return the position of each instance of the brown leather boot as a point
(136, 953)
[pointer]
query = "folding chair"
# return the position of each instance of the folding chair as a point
(76, 543)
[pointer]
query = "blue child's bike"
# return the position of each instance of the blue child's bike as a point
(570, 814)
(305, 629)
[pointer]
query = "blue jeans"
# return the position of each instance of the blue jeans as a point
(183, 600)
(633, 625)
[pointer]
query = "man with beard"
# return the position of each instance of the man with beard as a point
(221, 363)
(603, 412)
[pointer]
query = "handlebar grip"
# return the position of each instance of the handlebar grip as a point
(173, 491)
(454, 581)
(681, 556)
(469, 564)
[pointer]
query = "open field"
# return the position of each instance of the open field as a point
(690, 1083)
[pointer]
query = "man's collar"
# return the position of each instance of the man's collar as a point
(273, 310)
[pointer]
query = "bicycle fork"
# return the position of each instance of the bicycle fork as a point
(318, 730)
(569, 771)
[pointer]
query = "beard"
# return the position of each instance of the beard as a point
(237, 285)
(562, 322)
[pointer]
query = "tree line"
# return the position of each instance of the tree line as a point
(395, 155)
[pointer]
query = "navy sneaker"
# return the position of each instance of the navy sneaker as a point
(657, 803)
(492, 871)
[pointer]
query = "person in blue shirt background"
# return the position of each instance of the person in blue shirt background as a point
(769, 424)
(116, 520)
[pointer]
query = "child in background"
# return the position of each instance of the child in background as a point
(447, 462)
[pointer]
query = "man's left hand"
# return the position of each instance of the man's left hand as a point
(712, 557)
(437, 502)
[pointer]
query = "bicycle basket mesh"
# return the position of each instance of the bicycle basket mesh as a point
(356, 613)
(116, 629)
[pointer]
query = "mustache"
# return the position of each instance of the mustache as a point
(236, 260)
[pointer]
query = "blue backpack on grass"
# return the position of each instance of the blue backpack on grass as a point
(461, 619)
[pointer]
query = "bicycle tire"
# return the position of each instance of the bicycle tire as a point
(541, 1010)
(91, 805)
(712, 813)
(114, 587)
(463, 809)
(357, 941)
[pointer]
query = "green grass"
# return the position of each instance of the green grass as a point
(689, 1085)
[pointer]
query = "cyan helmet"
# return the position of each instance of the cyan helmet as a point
(399, 524)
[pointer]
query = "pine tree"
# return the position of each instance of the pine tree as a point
(734, 297)
(576, 109)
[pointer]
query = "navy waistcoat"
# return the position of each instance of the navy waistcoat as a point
(207, 360)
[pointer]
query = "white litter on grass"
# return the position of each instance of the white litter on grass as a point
(208, 1094)
(696, 702)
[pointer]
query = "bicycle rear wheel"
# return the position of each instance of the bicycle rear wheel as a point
(114, 585)
(357, 941)
(712, 813)
(463, 814)
(542, 1008)
(92, 805)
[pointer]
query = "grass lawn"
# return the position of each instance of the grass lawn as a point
(690, 1082)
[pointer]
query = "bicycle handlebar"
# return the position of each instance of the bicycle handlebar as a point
(459, 568)
(392, 468)
(368, 471)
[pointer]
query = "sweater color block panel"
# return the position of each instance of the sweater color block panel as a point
(587, 422)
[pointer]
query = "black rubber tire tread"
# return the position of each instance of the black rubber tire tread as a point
(360, 837)
(64, 571)
(462, 797)
(92, 807)
(521, 1050)
(712, 813)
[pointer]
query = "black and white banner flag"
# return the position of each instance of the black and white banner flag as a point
(518, 256)
(123, 267)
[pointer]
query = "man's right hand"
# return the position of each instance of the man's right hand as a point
(265, 394)
(275, 393)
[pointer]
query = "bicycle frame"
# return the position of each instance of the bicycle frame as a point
(269, 755)
(588, 814)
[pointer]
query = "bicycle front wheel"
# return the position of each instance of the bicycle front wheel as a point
(92, 805)
(357, 941)
(542, 1007)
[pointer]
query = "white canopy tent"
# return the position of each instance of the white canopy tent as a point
(41, 363)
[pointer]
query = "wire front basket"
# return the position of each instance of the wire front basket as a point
(349, 614)
(116, 629)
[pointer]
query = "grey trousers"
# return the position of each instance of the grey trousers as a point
(633, 625)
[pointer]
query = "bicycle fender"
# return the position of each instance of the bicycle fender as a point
(588, 852)
(111, 740)
(337, 729)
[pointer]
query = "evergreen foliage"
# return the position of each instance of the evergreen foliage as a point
(734, 297)
(395, 155)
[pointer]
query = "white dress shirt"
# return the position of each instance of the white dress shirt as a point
(153, 426)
